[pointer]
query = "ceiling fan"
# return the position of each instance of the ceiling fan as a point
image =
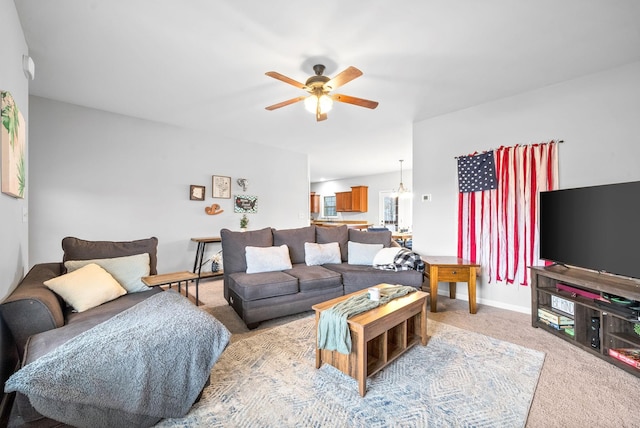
(320, 100)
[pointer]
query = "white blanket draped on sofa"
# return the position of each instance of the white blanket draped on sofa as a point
(146, 363)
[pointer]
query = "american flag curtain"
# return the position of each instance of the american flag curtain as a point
(498, 224)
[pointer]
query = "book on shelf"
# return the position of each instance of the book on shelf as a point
(629, 356)
(554, 317)
(570, 331)
(554, 325)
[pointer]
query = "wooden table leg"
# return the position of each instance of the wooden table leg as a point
(362, 364)
(452, 290)
(433, 287)
(472, 290)
(318, 350)
(423, 323)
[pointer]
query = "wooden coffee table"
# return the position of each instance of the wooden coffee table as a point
(378, 336)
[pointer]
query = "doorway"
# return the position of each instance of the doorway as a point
(395, 211)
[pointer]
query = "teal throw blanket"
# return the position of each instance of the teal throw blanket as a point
(333, 330)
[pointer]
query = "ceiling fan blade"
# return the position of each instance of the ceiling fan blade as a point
(286, 103)
(342, 78)
(285, 79)
(355, 101)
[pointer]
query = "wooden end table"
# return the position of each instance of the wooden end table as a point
(173, 278)
(378, 336)
(452, 270)
(199, 261)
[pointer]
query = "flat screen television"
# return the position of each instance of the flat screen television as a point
(596, 228)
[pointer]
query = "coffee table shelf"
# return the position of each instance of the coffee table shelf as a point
(378, 336)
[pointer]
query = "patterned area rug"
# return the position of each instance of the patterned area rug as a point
(460, 379)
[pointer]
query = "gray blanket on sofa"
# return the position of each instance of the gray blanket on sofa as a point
(149, 362)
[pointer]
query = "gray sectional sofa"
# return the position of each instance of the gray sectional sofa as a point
(41, 323)
(266, 295)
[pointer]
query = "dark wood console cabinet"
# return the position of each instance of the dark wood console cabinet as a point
(597, 327)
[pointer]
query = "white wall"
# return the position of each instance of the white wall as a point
(377, 183)
(102, 176)
(597, 116)
(14, 234)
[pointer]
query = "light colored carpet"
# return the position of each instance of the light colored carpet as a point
(459, 379)
(575, 389)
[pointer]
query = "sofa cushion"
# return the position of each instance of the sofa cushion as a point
(383, 237)
(79, 249)
(358, 277)
(86, 287)
(295, 240)
(267, 259)
(128, 270)
(339, 234)
(362, 254)
(234, 243)
(261, 286)
(314, 277)
(319, 254)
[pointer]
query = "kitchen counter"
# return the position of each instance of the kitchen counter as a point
(353, 224)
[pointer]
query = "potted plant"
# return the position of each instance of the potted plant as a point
(244, 222)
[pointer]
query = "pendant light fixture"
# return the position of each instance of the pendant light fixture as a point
(402, 190)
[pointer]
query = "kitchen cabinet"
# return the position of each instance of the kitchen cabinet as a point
(343, 201)
(314, 203)
(360, 199)
(356, 200)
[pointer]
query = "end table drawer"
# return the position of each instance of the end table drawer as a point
(453, 274)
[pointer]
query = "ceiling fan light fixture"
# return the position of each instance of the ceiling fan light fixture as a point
(312, 101)
(320, 99)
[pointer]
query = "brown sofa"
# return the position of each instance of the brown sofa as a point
(262, 296)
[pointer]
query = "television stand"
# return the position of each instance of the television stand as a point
(597, 327)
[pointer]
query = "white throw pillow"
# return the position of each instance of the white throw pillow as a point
(362, 254)
(320, 254)
(86, 287)
(128, 270)
(267, 259)
(386, 256)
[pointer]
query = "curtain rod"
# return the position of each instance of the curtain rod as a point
(525, 145)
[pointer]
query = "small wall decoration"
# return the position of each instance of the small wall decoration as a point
(244, 183)
(196, 193)
(214, 209)
(12, 139)
(221, 187)
(245, 204)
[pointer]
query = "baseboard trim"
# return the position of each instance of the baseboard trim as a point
(495, 304)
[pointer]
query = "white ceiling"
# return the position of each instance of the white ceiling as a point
(200, 64)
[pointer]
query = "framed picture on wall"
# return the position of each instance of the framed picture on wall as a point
(245, 204)
(196, 193)
(221, 187)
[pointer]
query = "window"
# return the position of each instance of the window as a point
(329, 206)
